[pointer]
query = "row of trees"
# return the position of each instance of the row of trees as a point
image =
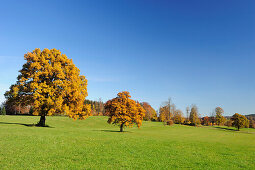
(13, 109)
(97, 107)
(167, 114)
(50, 84)
(170, 115)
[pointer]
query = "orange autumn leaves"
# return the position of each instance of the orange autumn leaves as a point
(124, 111)
(52, 84)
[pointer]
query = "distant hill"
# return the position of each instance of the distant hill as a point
(250, 116)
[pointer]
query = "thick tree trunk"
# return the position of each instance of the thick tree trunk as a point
(42, 121)
(121, 127)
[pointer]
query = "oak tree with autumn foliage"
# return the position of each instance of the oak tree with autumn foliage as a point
(239, 121)
(124, 111)
(52, 84)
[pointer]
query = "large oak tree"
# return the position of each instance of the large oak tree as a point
(52, 84)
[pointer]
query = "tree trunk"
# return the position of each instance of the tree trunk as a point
(42, 121)
(238, 128)
(121, 127)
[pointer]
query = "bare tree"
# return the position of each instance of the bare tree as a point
(187, 112)
(212, 117)
(169, 107)
(167, 110)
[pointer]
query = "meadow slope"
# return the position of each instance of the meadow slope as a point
(94, 144)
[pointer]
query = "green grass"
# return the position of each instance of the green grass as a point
(94, 144)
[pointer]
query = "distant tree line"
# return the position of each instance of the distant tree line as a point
(50, 84)
(97, 107)
(167, 113)
(13, 108)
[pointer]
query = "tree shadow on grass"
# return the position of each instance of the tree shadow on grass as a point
(24, 124)
(225, 128)
(113, 131)
(233, 130)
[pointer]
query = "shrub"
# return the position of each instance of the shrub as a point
(3, 111)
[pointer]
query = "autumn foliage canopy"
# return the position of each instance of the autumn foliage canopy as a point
(52, 84)
(240, 121)
(124, 111)
(219, 116)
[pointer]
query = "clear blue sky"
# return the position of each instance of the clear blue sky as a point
(196, 52)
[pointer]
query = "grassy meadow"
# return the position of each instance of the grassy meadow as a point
(94, 144)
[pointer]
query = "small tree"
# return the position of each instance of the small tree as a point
(219, 118)
(166, 111)
(52, 84)
(163, 113)
(178, 117)
(124, 111)
(3, 111)
(240, 121)
(194, 119)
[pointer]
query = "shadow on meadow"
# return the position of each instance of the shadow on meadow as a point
(24, 124)
(113, 131)
(233, 130)
(225, 128)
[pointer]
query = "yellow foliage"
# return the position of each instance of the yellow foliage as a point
(52, 84)
(178, 117)
(124, 111)
(164, 114)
